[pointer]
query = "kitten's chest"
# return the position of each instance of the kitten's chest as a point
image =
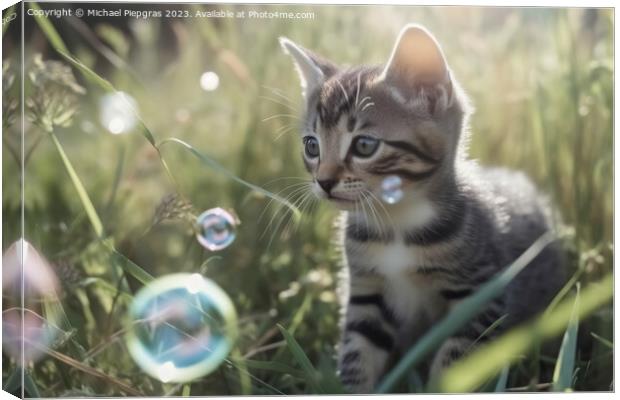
(411, 295)
(387, 258)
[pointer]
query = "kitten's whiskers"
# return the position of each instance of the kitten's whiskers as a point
(299, 178)
(298, 197)
(278, 92)
(292, 116)
(385, 211)
(295, 189)
(379, 223)
(283, 130)
(276, 101)
(364, 213)
(304, 204)
(300, 204)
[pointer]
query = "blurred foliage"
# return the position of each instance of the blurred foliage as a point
(540, 80)
(54, 100)
(9, 107)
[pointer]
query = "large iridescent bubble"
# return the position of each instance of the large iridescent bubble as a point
(29, 303)
(216, 229)
(182, 327)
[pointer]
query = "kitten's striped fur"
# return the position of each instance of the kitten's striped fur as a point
(457, 226)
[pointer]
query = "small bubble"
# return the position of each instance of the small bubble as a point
(209, 81)
(391, 189)
(216, 229)
(182, 327)
(117, 113)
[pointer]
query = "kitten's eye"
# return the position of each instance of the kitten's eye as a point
(311, 146)
(365, 146)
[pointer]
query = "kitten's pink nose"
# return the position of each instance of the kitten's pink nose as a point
(327, 184)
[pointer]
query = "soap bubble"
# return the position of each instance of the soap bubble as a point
(117, 113)
(216, 229)
(29, 323)
(209, 81)
(391, 189)
(182, 327)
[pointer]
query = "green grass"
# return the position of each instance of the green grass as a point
(541, 82)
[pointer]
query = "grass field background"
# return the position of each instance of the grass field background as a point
(540, 80)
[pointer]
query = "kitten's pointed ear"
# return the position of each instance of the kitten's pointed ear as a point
(417, 61)
(313, 70)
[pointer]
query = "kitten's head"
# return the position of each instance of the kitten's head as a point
(365, 123)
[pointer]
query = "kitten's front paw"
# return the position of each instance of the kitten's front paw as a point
(360, 365)
(359, 388)
(355, 381)
(450, 351)
(351, 372)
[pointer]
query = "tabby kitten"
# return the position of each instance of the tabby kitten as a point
(456, 227)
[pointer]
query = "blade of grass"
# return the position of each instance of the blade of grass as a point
(296, 321)
(89, 370)
(105, 285)
(104, 84)
(489, 330)
(88, 73)
(30, 386)
(127, 265)
(244, 374)
(500, 386)
(54, 38)
(564, 291)
(219, 168)
(14, 380)
(96, 79)
(303, 361)
(473, 370)
(328, 376)
(563, 373)
(49, 30)
(84, 30)
(462, 313)
(273, 366)
(602, 340)
(300, 314)
(52, 35)
(415, 383)
(118, 172)
(77, 184)
(118, 259)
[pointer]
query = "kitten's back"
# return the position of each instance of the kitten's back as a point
(522, 215)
